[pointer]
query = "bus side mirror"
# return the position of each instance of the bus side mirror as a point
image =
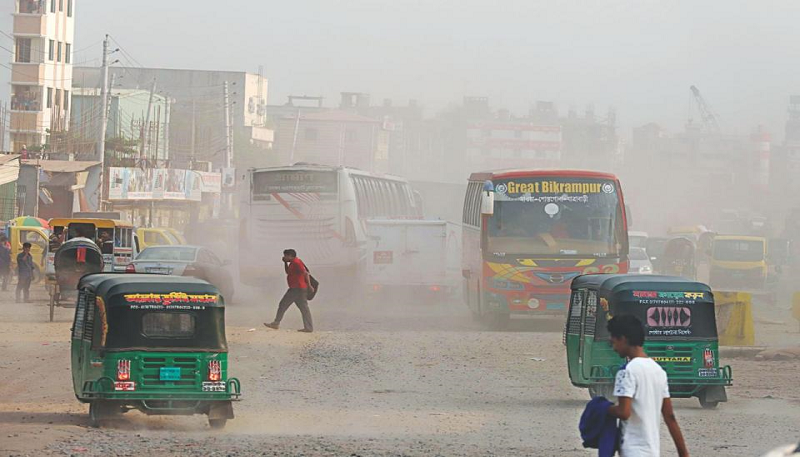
(487, 203)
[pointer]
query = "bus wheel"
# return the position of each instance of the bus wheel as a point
(217, 424)
(497, 320)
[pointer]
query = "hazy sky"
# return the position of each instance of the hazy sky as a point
(639, 56)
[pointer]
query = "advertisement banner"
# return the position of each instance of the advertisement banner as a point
(155, 184)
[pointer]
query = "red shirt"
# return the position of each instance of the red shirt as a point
(296, 274)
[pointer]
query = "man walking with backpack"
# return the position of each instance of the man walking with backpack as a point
(299, 289)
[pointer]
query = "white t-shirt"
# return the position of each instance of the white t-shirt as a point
(645, 382)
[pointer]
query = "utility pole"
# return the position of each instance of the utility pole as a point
(167, 102)
(227, 201)
(228, 139)
(147, 122)
(101, 143)
(191, 143)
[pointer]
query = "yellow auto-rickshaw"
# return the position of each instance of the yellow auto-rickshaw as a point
(115, 238)
(159, 236)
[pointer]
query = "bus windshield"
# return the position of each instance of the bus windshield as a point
(557, 216)
(739, 250)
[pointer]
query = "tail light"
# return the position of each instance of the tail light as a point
(376, 287)
(191, 270)
(435, 288)
(708, 358)
(214, 370)
(131, 268)
(123, 370)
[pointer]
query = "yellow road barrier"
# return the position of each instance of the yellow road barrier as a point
(735, 318)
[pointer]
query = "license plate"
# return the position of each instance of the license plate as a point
(382, 257)
(214, 386)
(707, 373)
(125, 386)
(169, 374)
(159, 270)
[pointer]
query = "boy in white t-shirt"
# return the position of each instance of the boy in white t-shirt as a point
(643, 393)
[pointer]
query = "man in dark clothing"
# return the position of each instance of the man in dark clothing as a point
(299, 286)
(5, 261)
(25, 269)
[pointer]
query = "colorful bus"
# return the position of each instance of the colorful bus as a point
(528, 233)
(320, 211)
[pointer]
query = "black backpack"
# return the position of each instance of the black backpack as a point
(314, 284)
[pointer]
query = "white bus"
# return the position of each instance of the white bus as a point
(318, 210)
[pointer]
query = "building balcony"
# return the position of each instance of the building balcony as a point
(26, 102)
(28, 73)
(30, 25)
(32, 122)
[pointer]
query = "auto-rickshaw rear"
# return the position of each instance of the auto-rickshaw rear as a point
(680, 333)
(151, 343)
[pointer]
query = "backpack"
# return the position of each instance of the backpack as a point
(314, 283)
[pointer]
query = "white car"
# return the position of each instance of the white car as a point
(640, 262)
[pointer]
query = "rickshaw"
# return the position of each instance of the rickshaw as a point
(152, 343)
(679, 258)
(680, 333)
(73, 259)
(115, 238)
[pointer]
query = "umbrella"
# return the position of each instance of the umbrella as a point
(29, 221)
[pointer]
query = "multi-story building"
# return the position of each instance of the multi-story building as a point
(197, 114)
(131, 134)
(41, 74)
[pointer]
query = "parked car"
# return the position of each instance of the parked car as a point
(195, 261)
(640, 262)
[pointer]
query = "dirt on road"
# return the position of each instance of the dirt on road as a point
(373, 380)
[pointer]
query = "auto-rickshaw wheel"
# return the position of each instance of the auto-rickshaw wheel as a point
(602, 390)
(708, 404)
(217, 424)
(99, 412)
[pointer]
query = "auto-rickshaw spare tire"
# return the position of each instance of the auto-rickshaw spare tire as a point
(218, 414)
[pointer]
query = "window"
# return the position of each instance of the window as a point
(52, 6)
(58, 53)
(58, 97)
(51, 50)
(69, 8)
(67, 50)
(310, 134)
(575, 312)
(61, 5)
(168, 325)
(49, 97)
(66, 100)
(23, 54)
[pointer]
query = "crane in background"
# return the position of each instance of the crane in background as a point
(709, 117)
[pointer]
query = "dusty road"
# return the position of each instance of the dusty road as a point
(411, 380)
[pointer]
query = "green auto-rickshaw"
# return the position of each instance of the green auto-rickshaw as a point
(680, 333)
(153, 343)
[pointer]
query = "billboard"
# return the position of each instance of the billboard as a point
(160, 184)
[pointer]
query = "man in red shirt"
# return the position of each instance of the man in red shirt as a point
(299, 286)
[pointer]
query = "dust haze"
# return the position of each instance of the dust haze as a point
(382, 140)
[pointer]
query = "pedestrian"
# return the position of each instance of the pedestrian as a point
(25, 269)
(5, 262)
(643, 393)
(299, 287)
